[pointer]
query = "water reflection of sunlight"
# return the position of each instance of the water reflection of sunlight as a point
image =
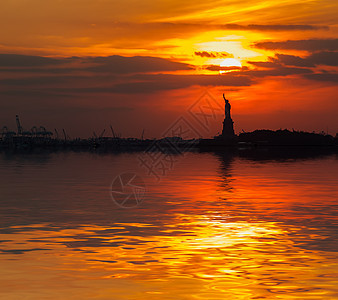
(244, 231)
(210, 233)
(231, 258)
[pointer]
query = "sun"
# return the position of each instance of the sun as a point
(231, 62)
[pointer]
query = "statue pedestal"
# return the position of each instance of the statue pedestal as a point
(228, 129)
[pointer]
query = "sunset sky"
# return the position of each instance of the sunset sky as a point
(83, 65)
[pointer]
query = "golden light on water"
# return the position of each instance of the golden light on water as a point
(208, 258)
(216, 227)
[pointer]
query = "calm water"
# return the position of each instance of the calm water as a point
(214, 227)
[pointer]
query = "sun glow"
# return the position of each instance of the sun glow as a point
(231, 62)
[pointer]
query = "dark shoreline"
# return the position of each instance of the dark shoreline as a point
(256, 141)
(224, 151)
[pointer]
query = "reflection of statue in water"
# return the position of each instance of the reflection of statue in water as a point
(228, 124)
(226, 157)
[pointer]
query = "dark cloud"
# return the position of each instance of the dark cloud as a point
(40, 80)
(264, 64)
(205, 54)
(319, 58)
(213, 54)
(311, 45)
(291, 60)
(168, 82)
(219, 68)
(324, 58)
(112, 74)
(274, 67)
(137, 64)
(276, 27)
(134, 84)
(280, 61)
(129, 75)
(278, 70)
(328, 77)
(280, 66)
(143, 83)
(17, 60)
(110, 64)
(36, 93)
(40, 70)
(180, 27)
